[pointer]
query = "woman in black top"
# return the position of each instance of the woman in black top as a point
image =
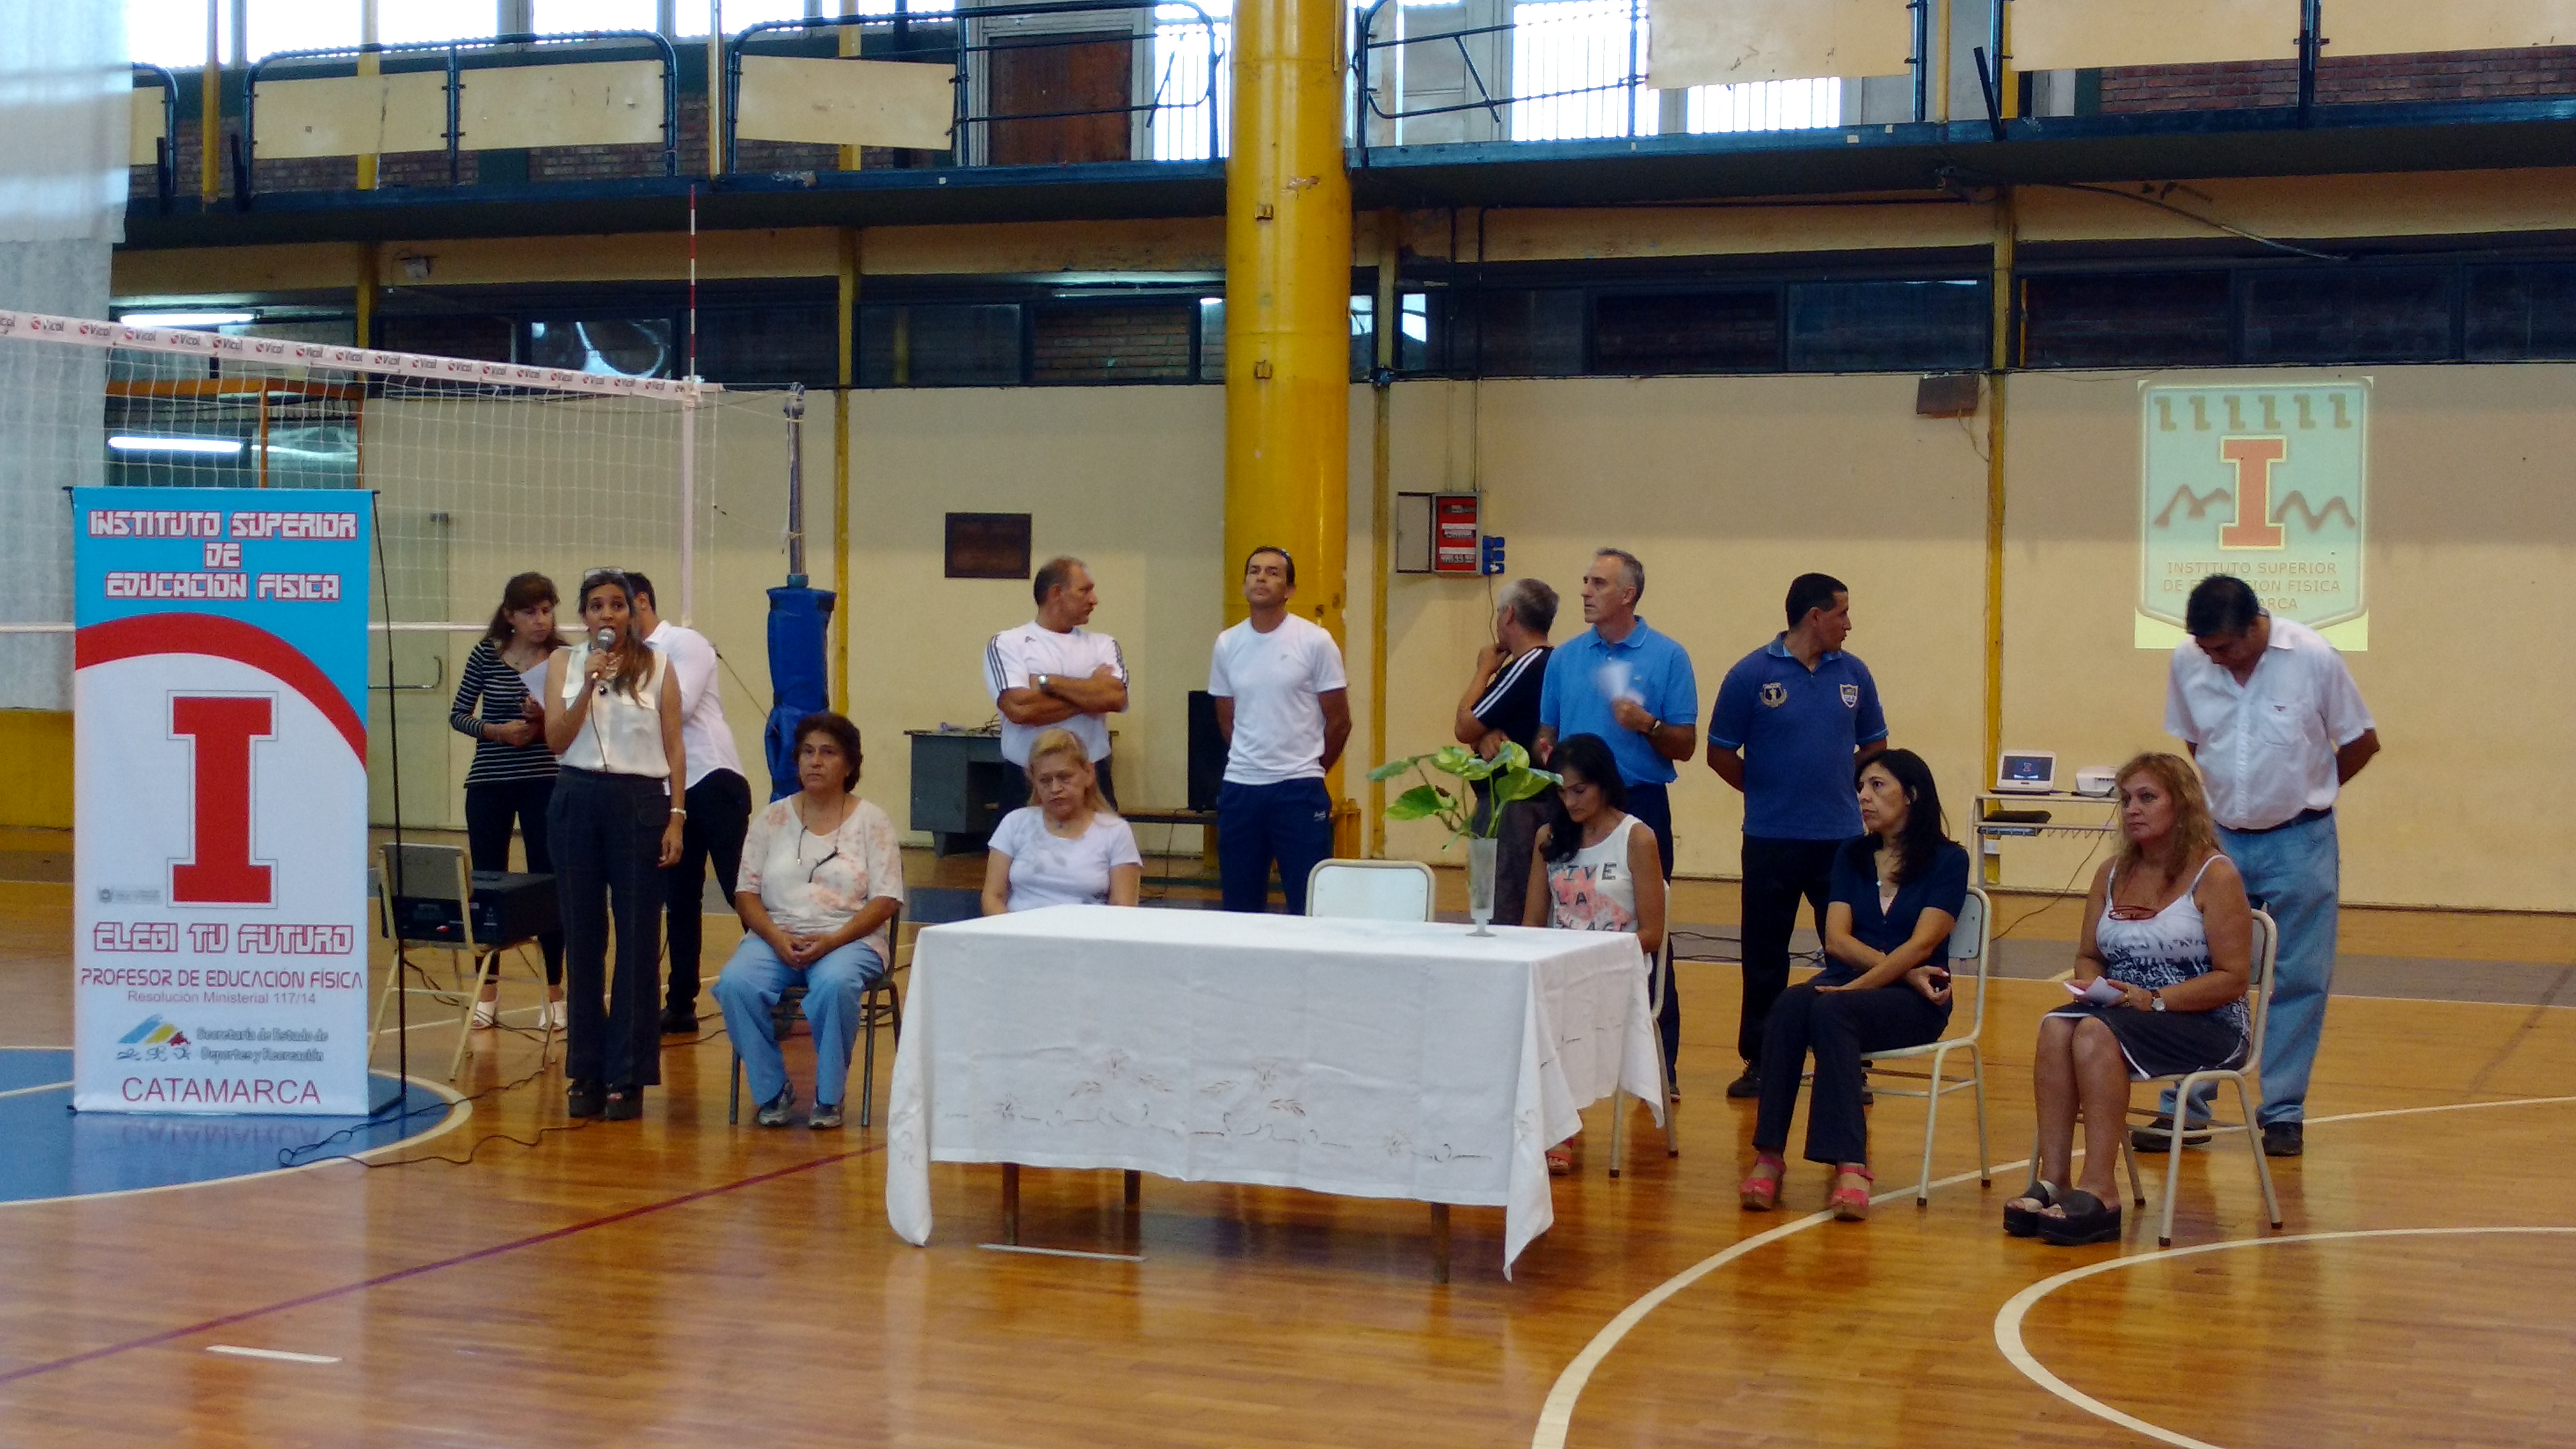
(1897, 893)
(513, 775)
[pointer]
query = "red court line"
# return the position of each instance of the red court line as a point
(229, 1319)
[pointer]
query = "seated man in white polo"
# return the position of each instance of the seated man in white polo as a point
(1052, 673)
(1284, 708)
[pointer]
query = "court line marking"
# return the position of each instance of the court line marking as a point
(460, 1111)
(324, 1295)
(2008, 1319)
(31, 1091)
(1061, 1252)
(1556, 1414)
(281, 1355)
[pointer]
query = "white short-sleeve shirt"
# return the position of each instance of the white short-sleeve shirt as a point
(2266, 748)
(1015, 654)
(1049, 870)
(705, 738)
(1274, 680)
(812, 884)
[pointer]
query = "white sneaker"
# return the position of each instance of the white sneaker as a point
(487, 1014)
(558, 1015)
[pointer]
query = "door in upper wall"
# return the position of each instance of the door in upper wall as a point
(1071, 91)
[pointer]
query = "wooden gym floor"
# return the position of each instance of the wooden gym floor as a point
(679, 1282)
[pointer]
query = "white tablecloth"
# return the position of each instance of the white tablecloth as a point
(1366, 1058)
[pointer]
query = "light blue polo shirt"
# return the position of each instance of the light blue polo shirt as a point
(1586, 673)
(1798, 730)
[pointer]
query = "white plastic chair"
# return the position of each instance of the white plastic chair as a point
(1662, 977)
(1971, 942)
(1369, 890)
(2258, 992)
(438, 873)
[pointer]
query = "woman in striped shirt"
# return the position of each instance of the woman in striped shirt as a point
(513, 775)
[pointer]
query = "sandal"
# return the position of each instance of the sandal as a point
(2023, 1222)
(623, 1104)
(582, 1099)
(1761, 1193)
(2082, 1219)
(1560, 1162)
(1850, 1204)
(487, 1013)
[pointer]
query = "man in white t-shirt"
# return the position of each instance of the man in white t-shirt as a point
(1052, 673)
(1284, 707)
(2278, 728)
(717, 802)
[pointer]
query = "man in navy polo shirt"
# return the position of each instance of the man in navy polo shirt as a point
(1634, 688)
(1793, 720)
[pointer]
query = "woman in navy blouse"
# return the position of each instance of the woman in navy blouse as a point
(1897, 891)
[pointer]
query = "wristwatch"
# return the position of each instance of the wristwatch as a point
(1654, 725)
(2156, 1001)
(1038, 682)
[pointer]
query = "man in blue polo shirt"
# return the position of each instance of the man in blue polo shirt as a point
(1793, 720)
(1634, 688)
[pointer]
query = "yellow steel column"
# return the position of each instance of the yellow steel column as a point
(2001, 359)
(369, 63)
(842, 396)
(1287, 304)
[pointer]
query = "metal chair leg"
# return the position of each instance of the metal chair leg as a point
(1931, 1123)
(487, 972)
(867, 1059)
(2129, 1155)
(1618, 1126)
(2173, 1157)
(2254, 1140)
(733, 1092)
(1440, 1242)
(1985, 1154)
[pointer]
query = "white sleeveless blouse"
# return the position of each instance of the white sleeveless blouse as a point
(1594, 891)
(623, 735)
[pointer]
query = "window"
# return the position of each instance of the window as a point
(1887, 326)
(1211, 339)
(2150, 319)
(1736, 329)
(940, 345)
(2327, 315)
(2522, 313)
(1782, 105)
(1413, 345)
(1189, 58)
(167, 32)
(1575, 61)
(607, 346)
(1093, 342)
(558, 17)
(768, 346)
(1526, 333)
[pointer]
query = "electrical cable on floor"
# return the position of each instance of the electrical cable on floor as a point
(2063, 894)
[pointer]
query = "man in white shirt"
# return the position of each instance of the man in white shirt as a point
(1283, 705)
(2277, 727)
(717, 801)
(1052, 673)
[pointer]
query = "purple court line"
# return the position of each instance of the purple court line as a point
(229, 1319)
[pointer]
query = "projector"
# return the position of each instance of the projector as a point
(2096, 780)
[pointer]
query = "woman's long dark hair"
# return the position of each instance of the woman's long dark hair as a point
(1926, 829)
(523, 591)
(1590, 757)
(634, 657)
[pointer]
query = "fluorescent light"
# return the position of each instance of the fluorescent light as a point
(187, 319)
(228, 447)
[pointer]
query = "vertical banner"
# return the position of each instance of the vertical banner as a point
(220, 781)
(2266, 482)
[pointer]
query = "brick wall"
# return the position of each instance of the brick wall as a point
(2350, 80)
(1114, 344)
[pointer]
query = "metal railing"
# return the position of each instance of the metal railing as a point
(246, 153)
(1149, 102)
(166, 166)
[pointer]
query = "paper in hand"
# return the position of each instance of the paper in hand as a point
(1618, 681)
(2099, 992)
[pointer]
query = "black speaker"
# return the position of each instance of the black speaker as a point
(1207, 751)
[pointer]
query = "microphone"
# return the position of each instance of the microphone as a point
(605, 642)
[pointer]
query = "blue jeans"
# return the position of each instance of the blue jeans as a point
(749, 989)
(2296, 873)
(1290, 822)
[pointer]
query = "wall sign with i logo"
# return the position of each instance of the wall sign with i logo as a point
(220, 787)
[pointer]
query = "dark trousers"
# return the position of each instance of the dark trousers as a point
(1290, 822)
(1017, 791)
(1777, 875)
(607, 834)
(1838, 1027)
(1515, 842)
(719, 813)
(1654, 805)
(490, 811)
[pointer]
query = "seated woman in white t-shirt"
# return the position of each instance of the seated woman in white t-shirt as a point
(1594, 867)
(1065, 848)
(821, 880)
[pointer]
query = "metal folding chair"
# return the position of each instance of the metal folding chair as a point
(1663, 975)
(1971, 942)
(2258, 992)
(1370, 890)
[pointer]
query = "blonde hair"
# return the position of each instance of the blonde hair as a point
(2194, 834)
(1062, 742)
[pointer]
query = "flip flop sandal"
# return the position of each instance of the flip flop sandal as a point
(2088, 1220)
(2024, 1222)
(1560, 1162)
(1850, 1204)
(1760, 1194)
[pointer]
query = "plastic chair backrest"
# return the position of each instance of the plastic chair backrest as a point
(1972, 941)
(430, 873)
(1370, 890)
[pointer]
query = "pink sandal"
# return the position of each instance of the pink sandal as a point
(1850, 1204)
(1760, 1194)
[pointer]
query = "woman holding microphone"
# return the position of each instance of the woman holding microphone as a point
(613, 721)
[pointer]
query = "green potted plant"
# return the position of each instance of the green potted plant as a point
(1508, 776)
